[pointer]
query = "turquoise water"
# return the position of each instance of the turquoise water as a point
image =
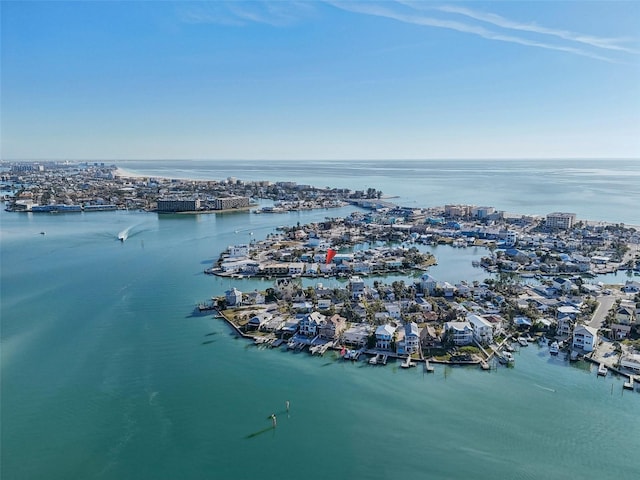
(106, 374)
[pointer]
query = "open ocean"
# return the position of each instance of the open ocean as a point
(107, 374)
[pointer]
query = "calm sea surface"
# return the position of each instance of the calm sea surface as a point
(106, 374)
(605, 190)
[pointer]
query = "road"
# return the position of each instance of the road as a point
(605, 302)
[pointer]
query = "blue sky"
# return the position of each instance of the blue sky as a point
(320, 80)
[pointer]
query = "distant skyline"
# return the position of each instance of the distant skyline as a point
(319, 80)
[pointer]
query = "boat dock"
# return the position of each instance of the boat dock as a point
(629, 384)
(408, 363)
(379, 359)
(428, 367)
(320, 349)
(602, 370)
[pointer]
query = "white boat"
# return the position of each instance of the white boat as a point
(506, 358)
(523, 342)
(554, 348)
(602, 370)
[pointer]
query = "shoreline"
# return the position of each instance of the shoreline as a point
(124, 173)
(477, 362)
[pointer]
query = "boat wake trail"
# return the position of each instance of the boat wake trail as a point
(124, 234)
(545, 388)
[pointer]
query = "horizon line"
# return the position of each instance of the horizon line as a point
(271, 159)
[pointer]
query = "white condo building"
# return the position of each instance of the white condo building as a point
(561, 220)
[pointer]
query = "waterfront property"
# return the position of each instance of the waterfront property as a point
(584, 338)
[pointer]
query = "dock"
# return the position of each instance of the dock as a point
(379, 359)
(428, 367)
(320, 349)
(628, 385)
(408, 363)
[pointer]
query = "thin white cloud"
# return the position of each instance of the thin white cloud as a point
(274, 13)
(419, 19)
(499, 21)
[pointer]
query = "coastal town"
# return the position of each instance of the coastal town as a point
(329, 278)
(538, 290)
(53, 187)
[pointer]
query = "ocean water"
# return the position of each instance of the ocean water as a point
(602, 190)
(107, 374)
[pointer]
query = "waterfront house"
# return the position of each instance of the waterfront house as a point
(331, 328)
(428, 284)
(411, 341)
(631, 361)
(258, 321)
(384, 336)
(361, 267)
(356, 287)
(244, 265)
(631, 286)
(496, 321)
(482, 329)
(448, 289)
(565, 326)
(276, 268)
(357, 334)
(233, 297)
(310, 323)
(461, 332)
(563, 285)
(255, 298)
(463, 289)
(290, 327)
(241, 250)
(584, 338)
(296, 268)
(428, 336)
(522, 321)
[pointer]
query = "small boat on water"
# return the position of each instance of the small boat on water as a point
(554, 348)
(484, 365)
(506, 358)
(602, 370)
(523, 342)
